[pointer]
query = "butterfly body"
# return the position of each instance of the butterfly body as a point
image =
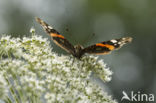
(78, 51)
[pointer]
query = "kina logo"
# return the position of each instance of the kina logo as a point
(137, 96)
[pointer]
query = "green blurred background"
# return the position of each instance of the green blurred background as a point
(87, 22)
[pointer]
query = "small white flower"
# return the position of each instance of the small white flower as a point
(37, 71)
(88, 90)
(32, 30)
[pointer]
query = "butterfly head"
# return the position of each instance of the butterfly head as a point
(78, 51)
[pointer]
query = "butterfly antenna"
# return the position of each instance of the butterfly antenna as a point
(71, 36)
(88, 38)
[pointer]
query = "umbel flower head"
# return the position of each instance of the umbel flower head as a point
(31, 72)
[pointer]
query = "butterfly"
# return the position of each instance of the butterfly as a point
(78, 51)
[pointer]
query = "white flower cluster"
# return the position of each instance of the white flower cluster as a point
(31, 72)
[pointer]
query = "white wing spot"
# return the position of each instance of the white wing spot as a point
(119, 43)
(123, 39)
(50, 27)
(45, 27)
(113, 41)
